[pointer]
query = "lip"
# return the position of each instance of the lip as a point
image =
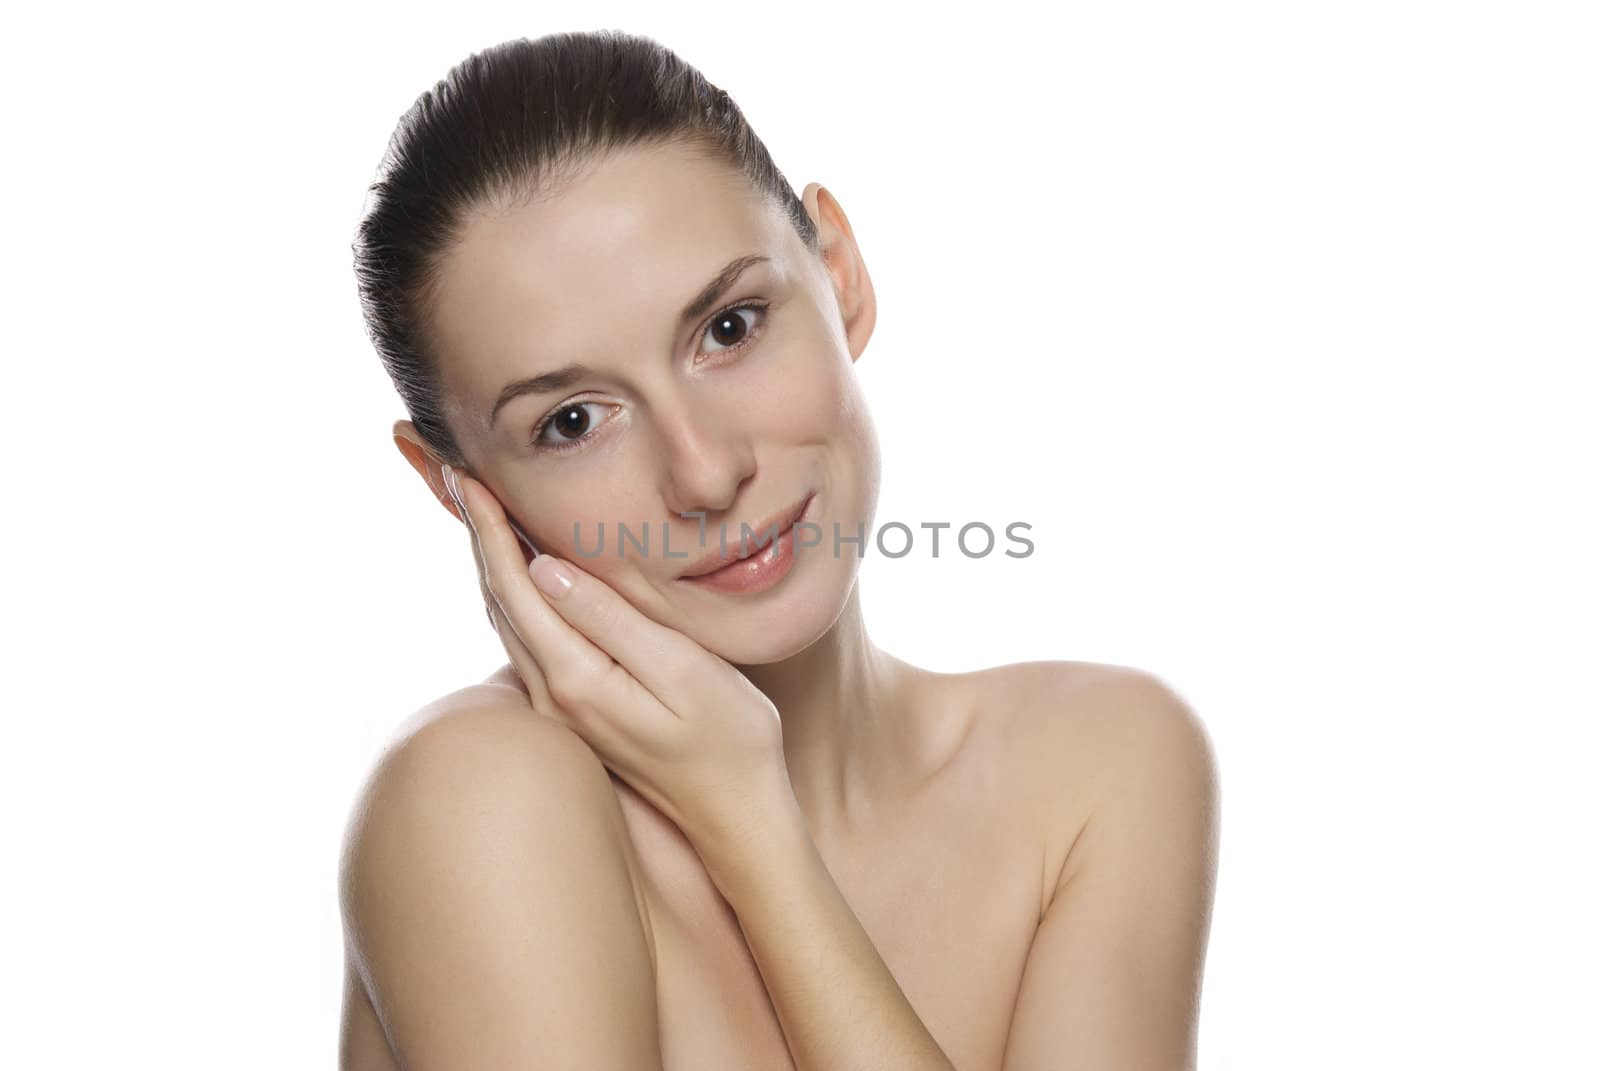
(733, 569)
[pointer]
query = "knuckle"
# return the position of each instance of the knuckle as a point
(602, 617)
(572, 684)
(684, 676)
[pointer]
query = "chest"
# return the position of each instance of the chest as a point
(950, 897)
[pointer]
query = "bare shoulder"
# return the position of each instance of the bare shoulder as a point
(1124, 776)
(488, 893)
(1101, 739)
(486, 723)
(479, 747)
(1102, 714)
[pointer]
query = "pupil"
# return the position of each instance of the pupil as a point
(571, 427)
(730, 318)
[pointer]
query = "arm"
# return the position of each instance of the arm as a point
(840, 1007)
(695, 738)
(488, 903)
(1113, 977)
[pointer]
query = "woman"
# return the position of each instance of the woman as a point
(699, 820)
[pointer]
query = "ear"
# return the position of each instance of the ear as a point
(426, 462)
(852, 286)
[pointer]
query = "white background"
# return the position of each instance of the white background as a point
(1277, 322)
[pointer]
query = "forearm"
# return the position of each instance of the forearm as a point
(840, 1007)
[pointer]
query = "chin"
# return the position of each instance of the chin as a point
(760, 634)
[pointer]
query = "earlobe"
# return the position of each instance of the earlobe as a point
(846, 268)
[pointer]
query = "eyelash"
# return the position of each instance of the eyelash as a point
(749, 339)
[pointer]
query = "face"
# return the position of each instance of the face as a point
(653, 340)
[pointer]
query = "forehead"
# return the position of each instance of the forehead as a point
(602, 267)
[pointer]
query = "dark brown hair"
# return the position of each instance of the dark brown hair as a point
(503, 125)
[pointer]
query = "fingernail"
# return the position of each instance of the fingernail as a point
(552, 576)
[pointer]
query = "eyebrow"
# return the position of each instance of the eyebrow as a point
(562, 378)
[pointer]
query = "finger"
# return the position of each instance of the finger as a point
(612, 748)
(472, 539)
(452, 486)
(526, 668)
(595, 728)
(671, 665)
(581, 676)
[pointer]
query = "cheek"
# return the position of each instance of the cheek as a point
(859, 443)
(569, 521)
(810, 397)
(819, 402)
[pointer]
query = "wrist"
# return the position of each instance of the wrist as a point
(762, 838)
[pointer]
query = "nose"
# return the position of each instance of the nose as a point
(706, 457)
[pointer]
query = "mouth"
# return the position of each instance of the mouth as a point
(742, 548)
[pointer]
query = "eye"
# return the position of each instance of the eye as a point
(571, 423)
(730, 329)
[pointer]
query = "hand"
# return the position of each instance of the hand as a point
(679, 724)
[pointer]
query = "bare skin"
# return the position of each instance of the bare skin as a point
(1030, 848)
(951, 883)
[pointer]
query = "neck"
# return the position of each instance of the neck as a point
(852, 739)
